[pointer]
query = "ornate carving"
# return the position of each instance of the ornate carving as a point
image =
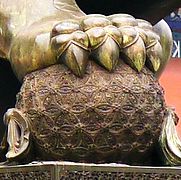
(29, 175)
(116, 175)
(67, 171)
(101, 117)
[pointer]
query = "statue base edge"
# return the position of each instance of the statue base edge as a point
(56, 170)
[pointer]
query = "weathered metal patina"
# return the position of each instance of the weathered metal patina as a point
(90, 90)
(102, 117)
(58, 170)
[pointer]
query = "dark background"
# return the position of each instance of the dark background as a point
(9, 86)
(152, 10)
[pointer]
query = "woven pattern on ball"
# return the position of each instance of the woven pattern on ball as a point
(101, 117)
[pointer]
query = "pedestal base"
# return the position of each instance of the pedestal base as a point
(80, 171)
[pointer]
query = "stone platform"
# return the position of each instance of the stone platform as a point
(80, 171)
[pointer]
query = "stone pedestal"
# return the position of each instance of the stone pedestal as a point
(80, 171)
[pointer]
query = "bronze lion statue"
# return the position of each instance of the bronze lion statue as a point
(90, 90)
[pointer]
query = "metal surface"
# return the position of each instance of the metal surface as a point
(68, 170)
(103, 116)
(29, 42)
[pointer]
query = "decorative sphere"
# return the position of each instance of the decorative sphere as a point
(102, 117)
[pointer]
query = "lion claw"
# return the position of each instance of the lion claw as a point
(107, 40)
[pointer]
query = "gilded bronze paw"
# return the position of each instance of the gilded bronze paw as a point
(108, 40)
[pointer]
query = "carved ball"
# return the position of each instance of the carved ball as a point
(102, 117)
